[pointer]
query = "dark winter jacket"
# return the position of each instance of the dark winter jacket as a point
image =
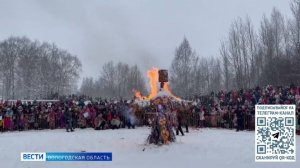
(68, 115)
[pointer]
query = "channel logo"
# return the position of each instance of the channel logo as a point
(66, 156)
(33, 156)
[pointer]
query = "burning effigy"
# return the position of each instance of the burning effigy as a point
(162, 100)
(156, 76)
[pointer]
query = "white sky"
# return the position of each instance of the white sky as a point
(145, 32)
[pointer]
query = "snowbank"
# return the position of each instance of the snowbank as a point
(210, 148)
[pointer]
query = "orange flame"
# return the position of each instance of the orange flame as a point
(153, 76)
(137, 94)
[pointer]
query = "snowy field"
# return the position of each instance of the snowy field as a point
(216, 148)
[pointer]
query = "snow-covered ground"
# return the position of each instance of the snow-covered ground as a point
(206, 148)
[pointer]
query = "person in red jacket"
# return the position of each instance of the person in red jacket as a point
(52, 119)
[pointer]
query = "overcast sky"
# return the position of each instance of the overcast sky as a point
(145, 32)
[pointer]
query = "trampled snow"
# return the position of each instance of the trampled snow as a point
(217, 148)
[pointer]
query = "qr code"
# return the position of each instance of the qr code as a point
(275, 136)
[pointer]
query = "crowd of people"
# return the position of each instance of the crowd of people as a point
(236, 108)
(75, 112)
(232, 109)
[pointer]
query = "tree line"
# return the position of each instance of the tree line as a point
(34, 70)
(40, 70)
(116, 80)
(247, 58)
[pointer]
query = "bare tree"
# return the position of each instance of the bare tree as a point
(88, 87)
(294, 37)
(115, 81)
(34, 70)
(182, 69)
(226, 66)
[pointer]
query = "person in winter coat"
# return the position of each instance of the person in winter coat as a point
(51, 119)
(99, 122)
(1, 123)
(201, 118)
(75, 115)
(179, 124)
(62, 119)
(30, 121)
(93, 116)
(81, 121)
(26, 123)
(7, 123)
(239, 117)
(131, 120)
(68, 119)
(115, 122)
(109, 118)
(21, 122)
(185, 118)
(36, 121)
